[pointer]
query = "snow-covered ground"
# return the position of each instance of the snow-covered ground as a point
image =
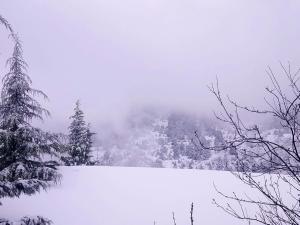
(128, 196)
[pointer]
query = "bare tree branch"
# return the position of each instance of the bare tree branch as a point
(277, 165)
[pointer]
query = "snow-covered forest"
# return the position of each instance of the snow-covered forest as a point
(148, 139)
(111, 112)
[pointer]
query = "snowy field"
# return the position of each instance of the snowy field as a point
(128, 196)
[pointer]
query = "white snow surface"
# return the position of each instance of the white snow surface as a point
(128, 196)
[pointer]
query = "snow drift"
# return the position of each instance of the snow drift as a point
(128, 196)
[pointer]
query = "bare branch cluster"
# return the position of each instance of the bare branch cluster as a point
(278, 180)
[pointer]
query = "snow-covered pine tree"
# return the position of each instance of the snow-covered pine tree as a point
(80, 139)
(22, 146)
(24, 167)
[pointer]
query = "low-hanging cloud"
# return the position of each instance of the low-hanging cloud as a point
(119, 54)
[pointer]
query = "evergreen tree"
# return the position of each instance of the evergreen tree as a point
(80, 139)
(23, 147)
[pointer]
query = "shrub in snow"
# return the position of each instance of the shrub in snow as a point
(35, 221)
(28, 221)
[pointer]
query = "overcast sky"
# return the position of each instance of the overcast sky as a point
(117, 54)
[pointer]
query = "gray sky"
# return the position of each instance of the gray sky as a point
(117, 54)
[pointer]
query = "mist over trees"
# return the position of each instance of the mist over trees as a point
(152, 139)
